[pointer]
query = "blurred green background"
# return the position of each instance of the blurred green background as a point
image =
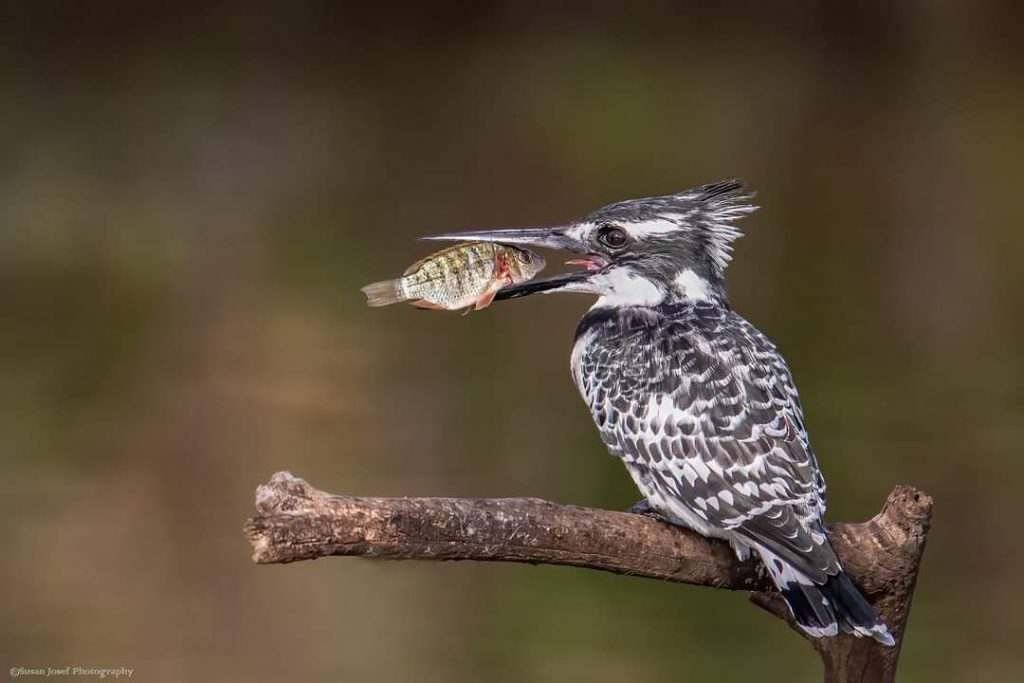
(191, 197)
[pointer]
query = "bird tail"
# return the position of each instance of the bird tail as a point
(384, 293)
(823, 609)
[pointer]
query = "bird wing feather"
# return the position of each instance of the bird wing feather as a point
(704, 410)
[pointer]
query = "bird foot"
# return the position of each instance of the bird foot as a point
(641, 507)
(644, 508)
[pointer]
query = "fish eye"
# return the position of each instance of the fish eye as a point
(612, 237)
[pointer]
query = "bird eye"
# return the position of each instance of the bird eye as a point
(612, 237)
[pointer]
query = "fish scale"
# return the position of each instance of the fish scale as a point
(462, 276)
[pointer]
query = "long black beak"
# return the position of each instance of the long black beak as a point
(547, 238)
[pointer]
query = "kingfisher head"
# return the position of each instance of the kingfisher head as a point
(639, 252)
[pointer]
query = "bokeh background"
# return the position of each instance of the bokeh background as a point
(192, 195)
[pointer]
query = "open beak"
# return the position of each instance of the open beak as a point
(546, 238)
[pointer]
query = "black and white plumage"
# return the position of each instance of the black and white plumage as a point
(698, 403)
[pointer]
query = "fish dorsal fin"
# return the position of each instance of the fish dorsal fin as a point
(419, 264)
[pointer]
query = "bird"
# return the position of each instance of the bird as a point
(698, 403)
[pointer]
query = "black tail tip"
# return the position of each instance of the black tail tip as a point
(856, 615)
(822, 611)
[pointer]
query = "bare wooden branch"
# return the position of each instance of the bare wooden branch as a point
(295, 521)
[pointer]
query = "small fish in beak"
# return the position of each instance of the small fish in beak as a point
(558, 238)
(465, 276)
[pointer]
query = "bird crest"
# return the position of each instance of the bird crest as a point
(718, 206)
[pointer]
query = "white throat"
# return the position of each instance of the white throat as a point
(622, 287)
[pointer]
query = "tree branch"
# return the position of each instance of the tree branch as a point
(297, 522)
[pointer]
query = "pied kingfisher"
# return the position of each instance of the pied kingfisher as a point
(697, 402)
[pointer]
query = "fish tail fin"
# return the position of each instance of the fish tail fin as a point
(384, 293)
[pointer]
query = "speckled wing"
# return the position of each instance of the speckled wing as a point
(704, 412)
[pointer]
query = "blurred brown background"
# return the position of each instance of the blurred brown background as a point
(191, 196)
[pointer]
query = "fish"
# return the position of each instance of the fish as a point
(465, 276)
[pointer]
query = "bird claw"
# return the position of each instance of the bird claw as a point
(644, 508)
(641, 507)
